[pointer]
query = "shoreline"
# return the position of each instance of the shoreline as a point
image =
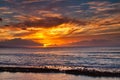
(93, 73)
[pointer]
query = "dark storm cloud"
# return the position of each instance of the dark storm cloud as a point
(113, 11)
(100, 8)
(97, 42)
(85, 8)
(48, 22)
(17, 42)
(1, 19)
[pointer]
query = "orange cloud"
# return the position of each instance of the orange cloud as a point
(53, 29)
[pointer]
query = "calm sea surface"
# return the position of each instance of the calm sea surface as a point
(100, 58)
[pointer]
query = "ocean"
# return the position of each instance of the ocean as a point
(100, 59)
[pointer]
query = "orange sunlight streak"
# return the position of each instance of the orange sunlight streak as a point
(54, 36)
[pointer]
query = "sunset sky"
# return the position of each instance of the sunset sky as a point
(48, 23)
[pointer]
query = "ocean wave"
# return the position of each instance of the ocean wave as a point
(63, 69)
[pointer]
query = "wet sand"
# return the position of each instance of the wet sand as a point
(49, 76)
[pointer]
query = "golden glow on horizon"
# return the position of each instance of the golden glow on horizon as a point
(60, 35)
(52, 36)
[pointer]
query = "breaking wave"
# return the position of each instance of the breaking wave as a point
(63, 69)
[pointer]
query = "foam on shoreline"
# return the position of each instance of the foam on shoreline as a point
(68, 70)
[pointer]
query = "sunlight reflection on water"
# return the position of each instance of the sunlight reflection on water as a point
(99, 57)
(49, 76)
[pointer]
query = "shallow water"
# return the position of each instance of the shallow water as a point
(49, 76)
